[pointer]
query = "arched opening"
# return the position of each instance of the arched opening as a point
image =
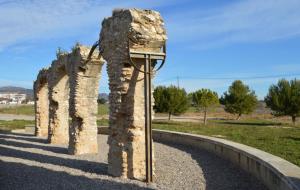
(103, 98)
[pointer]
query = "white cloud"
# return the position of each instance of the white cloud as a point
(33, 20)
(245, 21)
(27, 20)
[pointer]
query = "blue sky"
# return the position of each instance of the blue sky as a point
(210, 43)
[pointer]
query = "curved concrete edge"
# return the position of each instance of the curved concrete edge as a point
(275, 172)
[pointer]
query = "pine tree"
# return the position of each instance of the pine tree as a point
(171, 100)
(284, 99)
(239, 99)
(204, 99)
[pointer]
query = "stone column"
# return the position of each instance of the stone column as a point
(126, 156)
(84, 88)
(59, 101)
(41, 104)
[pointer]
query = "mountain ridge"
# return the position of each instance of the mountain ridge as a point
(15, 89)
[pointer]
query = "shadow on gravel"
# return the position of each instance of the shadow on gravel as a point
(296, 181)
(86, 166)
(220, 174)
(20, 176)
(17, 134)
(58, 150)
(24, 137)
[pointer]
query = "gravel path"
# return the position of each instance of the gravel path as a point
(27, 162)
(10, 117)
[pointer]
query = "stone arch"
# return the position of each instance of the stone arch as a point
(84, 88)
(126, 140)
(58, 132)
(41, 97)
(71, 76)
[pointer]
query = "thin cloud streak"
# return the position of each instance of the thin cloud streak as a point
(243, 22)
(33, 20)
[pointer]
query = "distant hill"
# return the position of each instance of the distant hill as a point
(19, 90)
(262, 108)
(103, 95)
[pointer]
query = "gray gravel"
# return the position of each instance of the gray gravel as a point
(10, 117)
(27, 162)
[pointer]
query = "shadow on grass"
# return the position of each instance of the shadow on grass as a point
(292, 138)
(173, 123)
(241, 123)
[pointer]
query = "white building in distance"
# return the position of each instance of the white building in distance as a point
(12, 98)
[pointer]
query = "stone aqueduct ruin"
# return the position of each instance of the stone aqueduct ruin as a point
(69, 89)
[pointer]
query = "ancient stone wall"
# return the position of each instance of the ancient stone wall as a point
(41, 103)
(73, 81)
(145, 28)
(84, 88)
(59, 100)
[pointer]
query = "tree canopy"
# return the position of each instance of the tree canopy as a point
(204, 99)
(171, 100)
(284, 98)
(239, 99)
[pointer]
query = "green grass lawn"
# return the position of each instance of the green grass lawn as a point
(283, 140)
(102, 122)
(103, 109)
(18, 110)
(29, 110)
(15, 124)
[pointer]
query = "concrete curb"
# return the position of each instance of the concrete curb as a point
(275, 172)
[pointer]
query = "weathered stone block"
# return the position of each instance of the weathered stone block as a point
(59, 100)
(84, 82)
(145, 28)
(41, 97)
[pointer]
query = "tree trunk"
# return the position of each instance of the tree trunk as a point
(294, 120)
(205, 119)
(239, 116)
(169, 116)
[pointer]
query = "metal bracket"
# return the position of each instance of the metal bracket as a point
(148, 57)
(95, 45)
(143, 55)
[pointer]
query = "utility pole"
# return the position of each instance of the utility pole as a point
(177, 81)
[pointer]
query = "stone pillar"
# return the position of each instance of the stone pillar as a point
(84, 88)
(59, 101)
(126, 156)
(41, 104)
